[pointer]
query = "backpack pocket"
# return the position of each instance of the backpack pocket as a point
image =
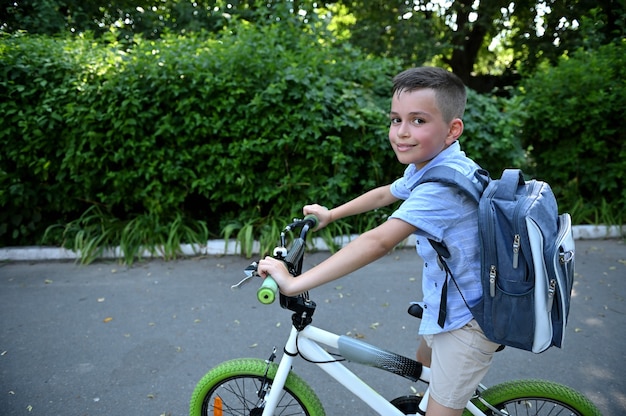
(544, 289)
(512, 317)
(561, 271)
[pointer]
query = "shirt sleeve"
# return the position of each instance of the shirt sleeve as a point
(432, 208)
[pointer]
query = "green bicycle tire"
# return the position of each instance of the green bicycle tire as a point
(538, 392)
(252, 368)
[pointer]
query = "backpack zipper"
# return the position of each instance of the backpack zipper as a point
(551, 290)
(516, 246)
(483, 211)
(517, 236)
(492, 280)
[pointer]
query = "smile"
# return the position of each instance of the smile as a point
(404, 147)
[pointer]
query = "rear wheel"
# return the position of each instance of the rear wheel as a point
(232, 388)
(536, 398)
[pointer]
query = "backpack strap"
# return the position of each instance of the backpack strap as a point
(452, 177)
(442, 254)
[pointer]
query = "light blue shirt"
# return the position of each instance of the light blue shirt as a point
(443, 213)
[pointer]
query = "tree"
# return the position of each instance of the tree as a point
(150, 18)
(488, 43)
(465, 34)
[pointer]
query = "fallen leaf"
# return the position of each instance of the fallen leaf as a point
(196, 321)
(47, 281)
(375, 325)
(100, 300)
(578, 330)
(254, 345)
(3, 353)
(29, 408)
(113, 270)
(107, 319)
(150, 396)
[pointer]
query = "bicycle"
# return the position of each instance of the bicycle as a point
(257, 387)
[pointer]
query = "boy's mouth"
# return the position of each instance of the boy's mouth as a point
(404, 147)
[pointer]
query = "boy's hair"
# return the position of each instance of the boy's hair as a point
(449, 89)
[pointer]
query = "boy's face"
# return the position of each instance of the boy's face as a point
(417, 132)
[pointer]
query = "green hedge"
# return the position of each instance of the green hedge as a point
(238, 127)
(574, 123)
(185, 138)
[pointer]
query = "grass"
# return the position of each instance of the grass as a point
(583, 212)
(97, 231)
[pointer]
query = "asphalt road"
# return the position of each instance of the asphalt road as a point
(108, 339)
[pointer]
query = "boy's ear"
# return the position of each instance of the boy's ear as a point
(455, 131)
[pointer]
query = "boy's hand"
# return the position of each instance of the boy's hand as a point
(270, 266)
(322, 213)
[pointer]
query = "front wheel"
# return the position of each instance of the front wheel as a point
(536, 398)
(233, 387)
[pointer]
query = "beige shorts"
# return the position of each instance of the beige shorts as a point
(460, 360)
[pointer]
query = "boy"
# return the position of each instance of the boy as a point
(425, 124)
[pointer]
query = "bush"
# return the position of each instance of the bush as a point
(40, 78)
(241, 126)
(204, 135)
(492, 134)
(574, 117)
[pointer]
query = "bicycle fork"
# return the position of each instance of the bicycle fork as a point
(284, 367)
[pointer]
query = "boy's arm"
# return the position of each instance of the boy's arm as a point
(376, 198)
(361, 251)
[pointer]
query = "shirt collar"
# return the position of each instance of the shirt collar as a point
(412, 174)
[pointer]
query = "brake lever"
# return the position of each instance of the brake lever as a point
(251, 272)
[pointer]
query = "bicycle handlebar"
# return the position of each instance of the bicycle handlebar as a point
(266, 294)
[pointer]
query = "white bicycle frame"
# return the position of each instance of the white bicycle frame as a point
(307, 343)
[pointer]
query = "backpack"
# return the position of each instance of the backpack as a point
(527, 258)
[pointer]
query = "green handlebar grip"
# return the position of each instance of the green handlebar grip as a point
(314, 219)
(268, 290)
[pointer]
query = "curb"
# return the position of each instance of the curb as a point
(223, 248)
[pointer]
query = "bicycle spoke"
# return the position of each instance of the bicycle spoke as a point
(535, 407)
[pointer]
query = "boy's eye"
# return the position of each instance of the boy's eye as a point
(416, 121)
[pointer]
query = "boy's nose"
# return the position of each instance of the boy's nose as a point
(403, 130)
